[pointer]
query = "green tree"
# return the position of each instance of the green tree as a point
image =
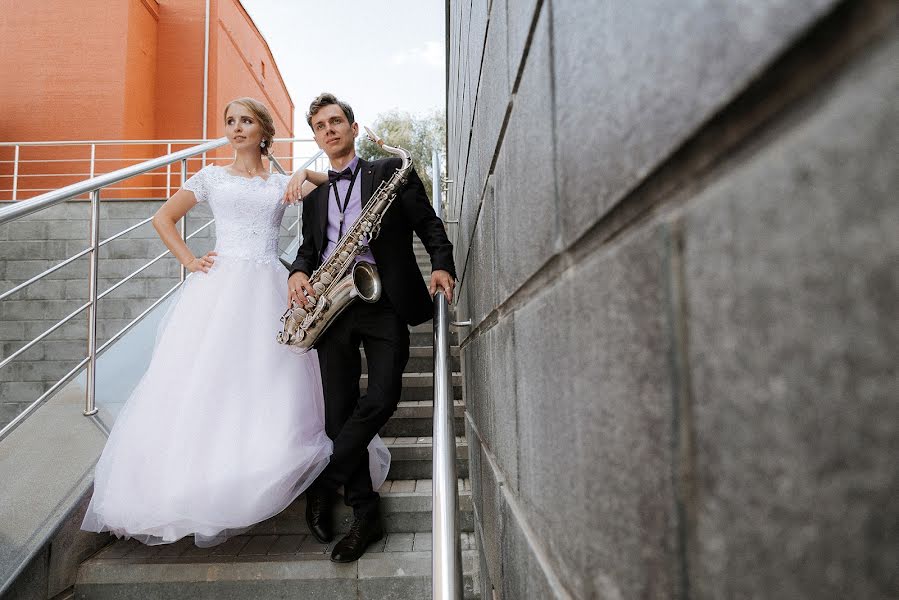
(418, 135)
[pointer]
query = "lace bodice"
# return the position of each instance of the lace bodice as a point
(247, 212)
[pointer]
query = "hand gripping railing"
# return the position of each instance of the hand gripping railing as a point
(446, 561)
(93, 187)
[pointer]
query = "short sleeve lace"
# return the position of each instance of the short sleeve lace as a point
(199, 184)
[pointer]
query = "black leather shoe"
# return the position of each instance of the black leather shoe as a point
(319, 517)
(363, 532)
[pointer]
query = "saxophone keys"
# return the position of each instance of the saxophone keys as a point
(344, 255)
(326, 278)
(311, 300)
(319, 287)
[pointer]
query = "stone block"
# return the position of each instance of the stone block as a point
(475, 365)
(44, 289)
(26, 309)
(598, 402)
(491, 518)
(65, 350)
(128, 248)
(8, 391)
(76, 329)
(520, 17)
(18, 271)
(67, 211)
(481, 270)
(467, 214)
(494, 92)
(474, 465)
(157, 286)
(77, 289)
(12, 331)
(634, 80)
(523, 574)
(35, 370)
(483, 14)
(467, 93)
(135, 288)
(527, 228)
(119, 268)
(112, 227)
(33, 250)
(23, 229)
(486, 584)
(793, 328)
(57, 229)
(36, 352)
(503, 436)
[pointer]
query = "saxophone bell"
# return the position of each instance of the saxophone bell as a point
(366, 282)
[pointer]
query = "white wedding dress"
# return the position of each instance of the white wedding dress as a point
(226, 427)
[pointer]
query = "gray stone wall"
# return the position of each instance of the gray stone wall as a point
(677, 244)
(32, 244)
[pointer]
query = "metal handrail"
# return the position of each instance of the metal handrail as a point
(92, 145)
(38, 203)
(92, 251)
(446, 559)
(129, 142)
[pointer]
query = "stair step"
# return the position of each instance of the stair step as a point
(412, 457)
(263, 567)
(416, 419)
(418, 386)
(405, 508)
(421, 360)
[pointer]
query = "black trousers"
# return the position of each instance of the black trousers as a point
(352, 419)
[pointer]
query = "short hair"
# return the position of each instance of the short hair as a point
(324, 99)
(262, 114)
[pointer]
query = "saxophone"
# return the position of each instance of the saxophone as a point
(340, 280)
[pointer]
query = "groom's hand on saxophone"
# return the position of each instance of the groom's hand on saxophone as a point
(442, 280)
(296, 285)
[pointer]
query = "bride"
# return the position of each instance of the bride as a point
(226, 427)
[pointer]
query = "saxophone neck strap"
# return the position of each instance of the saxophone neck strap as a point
(346, 201)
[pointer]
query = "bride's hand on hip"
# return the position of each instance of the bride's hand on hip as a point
(203, 263)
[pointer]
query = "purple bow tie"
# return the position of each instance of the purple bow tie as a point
(334, 176)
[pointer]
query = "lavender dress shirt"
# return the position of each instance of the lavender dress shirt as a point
(353, 210)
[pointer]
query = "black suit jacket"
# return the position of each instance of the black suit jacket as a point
(392, 249)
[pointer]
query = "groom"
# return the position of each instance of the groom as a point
(352, 419)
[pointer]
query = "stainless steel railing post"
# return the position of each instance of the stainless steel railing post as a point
(183, 269)
(446, 560)
(435, 181)
(168, 173)
(15, 175)
(90, 399)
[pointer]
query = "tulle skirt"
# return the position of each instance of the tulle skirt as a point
(226, 427)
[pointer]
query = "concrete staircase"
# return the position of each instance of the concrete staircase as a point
(279, 559)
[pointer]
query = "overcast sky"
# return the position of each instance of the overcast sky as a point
(376, 55)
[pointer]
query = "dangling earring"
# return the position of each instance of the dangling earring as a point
(262, 144)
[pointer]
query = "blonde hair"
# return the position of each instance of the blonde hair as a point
(262, 115)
